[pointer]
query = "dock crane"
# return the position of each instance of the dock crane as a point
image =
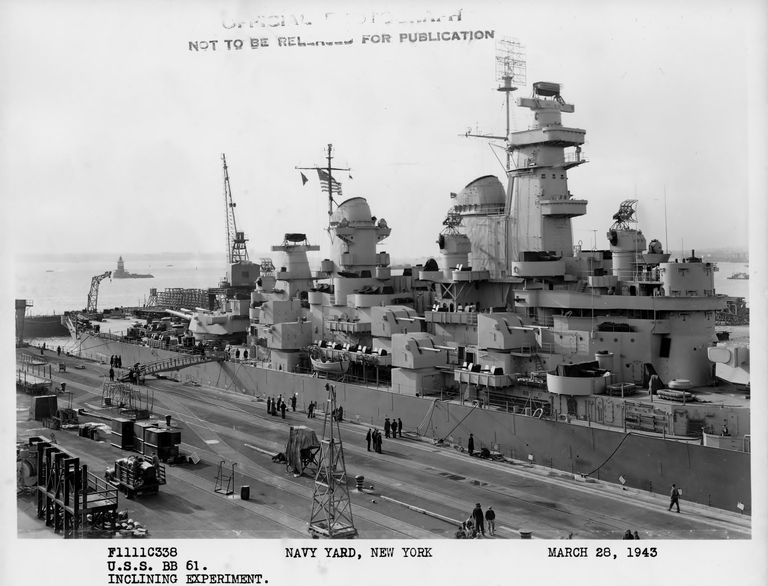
(236, 250)
(93, 294)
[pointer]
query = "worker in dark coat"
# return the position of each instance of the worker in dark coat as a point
(282, 409)
(471, 444)
(293, 402)
(479, 518)
(387, 427)
(368, 439)
(674, 498)
(400, 427)
(269, 405)
(490, 517)
(111, 373)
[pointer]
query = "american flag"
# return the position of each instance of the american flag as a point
(324, 181)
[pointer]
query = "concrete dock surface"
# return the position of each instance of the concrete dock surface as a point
(413, 490)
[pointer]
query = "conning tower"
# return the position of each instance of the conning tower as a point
(540, 204)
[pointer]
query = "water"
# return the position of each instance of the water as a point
(61, 283)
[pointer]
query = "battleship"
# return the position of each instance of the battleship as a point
(602, 363)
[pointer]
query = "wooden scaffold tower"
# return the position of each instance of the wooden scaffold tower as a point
(331, 506)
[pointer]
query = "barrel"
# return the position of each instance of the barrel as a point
(359, 479)
(245, 492)
(525, 534)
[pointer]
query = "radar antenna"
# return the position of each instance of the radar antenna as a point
(625, 215)
(510, 75)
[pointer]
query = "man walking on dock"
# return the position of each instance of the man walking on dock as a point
(394, 427)
(490, 517)
(368, 439)
(400, 427)
(471, 445)
(387, 427)
(282, 409)
(674, 498)
(293, 402)
(111, 374)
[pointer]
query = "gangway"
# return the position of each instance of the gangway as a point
(169, 364)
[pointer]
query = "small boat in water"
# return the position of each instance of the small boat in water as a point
(740, 276)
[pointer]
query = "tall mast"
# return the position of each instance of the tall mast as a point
(325, 174)
(329, 180)
(511, 74)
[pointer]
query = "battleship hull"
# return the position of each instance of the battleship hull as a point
(711, 476)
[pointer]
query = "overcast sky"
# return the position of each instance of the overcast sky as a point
(113, 129)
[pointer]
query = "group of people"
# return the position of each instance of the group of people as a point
(374, 437)
(338, 413)
(393, 428)
(477, 522)
(275, 405)
(237, 354)
(629, 535)
(115, 361)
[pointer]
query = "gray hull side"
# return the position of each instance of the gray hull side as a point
(710, 476)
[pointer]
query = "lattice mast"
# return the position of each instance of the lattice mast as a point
(236, 249)
(331, 505)
(510, 75)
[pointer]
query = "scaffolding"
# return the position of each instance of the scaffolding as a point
(331, 506)
(69, 498)
(127, 398)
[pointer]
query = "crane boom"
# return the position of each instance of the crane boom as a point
(93, 294)
(236, 249)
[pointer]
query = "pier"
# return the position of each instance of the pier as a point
(414, 489)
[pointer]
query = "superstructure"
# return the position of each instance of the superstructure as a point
(544, 350)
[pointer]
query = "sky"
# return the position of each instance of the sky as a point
(113, 129)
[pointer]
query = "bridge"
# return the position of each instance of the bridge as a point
(168, 364)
